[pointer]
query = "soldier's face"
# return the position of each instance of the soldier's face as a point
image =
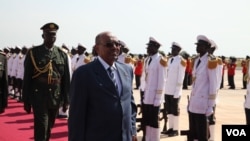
(201, 49)
(175, 51)
(151, 50)
(49, 37)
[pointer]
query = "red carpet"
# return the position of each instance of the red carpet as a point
(17, 125)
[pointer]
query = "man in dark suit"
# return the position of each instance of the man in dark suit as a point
(3, 82)
(46, 82)
(102, 106)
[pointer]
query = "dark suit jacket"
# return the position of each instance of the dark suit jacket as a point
(97, 112)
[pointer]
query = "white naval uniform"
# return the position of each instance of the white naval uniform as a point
(80, 61)
(247, 100)
(73, 61)
(10, 62)
(121, 57)
(204, 88)
(175, 76)
(155, 79)
(174, 83)
(9, 67)
(20, 67)
(219, 76)
(13, 72)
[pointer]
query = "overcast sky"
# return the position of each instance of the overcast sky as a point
(227, 22)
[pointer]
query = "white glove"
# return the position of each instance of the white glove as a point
(157, 102)
(209, 111)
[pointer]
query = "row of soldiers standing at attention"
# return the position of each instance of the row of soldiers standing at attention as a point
(161, 82)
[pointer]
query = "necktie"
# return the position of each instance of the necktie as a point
(149, 61)
(112, 76)
(171, 60)
(198, 63)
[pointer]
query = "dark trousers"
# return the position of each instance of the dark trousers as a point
(198, 127)
(151, 115)
(244, 81)
(185, 81)
(137, 81)
(19, 83)
(247, 113)
(44, 120)
(231, 81)
(222, 82)
(172, 105)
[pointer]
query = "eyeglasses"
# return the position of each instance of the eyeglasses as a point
(111, 44)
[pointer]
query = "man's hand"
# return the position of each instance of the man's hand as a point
(27, 108)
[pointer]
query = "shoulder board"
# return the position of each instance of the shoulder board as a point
(86, 60)
(128, 59)
(183, 62)
(164, 61)
(219, 61)
(212, 62)
(193, 58)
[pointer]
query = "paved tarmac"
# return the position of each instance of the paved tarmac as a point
(229, 108)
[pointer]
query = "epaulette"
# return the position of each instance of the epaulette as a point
(133, 60)
(193, 58)
(164, 61)
(212, 61)
(183, 62)
(86, 60)
(128, 59)
(219, 61)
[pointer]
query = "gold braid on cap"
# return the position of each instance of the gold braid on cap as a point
(38, 71)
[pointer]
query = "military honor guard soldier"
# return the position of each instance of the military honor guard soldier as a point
(154, 79)
(247, 97)
(212, 118)
(46, 82)
(173, 90)
(204, 90)
(82, 59)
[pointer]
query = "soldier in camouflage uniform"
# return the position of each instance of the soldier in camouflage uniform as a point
(3, 82)
(46, 82)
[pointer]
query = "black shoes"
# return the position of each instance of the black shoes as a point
(166, 132)
(173, 133)
(170, 132)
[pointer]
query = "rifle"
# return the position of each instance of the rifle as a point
(164, 117)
